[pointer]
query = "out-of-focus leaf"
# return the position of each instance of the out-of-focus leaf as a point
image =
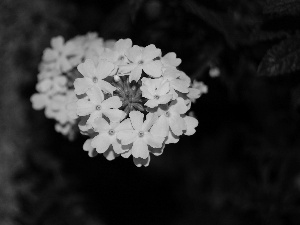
(262, 35)
(219, 21)
(135, 5)
(282, 58)
(117, 22)
(282, 7)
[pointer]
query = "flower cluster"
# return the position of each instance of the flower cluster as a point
(57, 72)
(133, 101)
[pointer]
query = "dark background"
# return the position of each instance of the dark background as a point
(241, 166)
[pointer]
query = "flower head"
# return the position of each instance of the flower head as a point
(128, 100)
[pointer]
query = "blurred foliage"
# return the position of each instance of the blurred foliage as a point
(242, 165)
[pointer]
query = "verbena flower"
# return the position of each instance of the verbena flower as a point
(93, 76)
(156, 90)
(95, 106)
(140, 135)
(143, 60)
(129, 100)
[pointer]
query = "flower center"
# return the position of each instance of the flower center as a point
(140, 62)
(121, 58)
(156, 97)
(141, 134)
(129, 93)
(98, 107)
(95, 79)
(111, 132)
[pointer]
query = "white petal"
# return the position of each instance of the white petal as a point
(81, 85)
(104, 68)
(171, 74)
(140, 149)
(125, 125)
(172, 138)
(153, 141)
(84, 107)
(171, 60)
(101, 125)
(136, 118)
(88, 147)
(113, 102)
(177, 124)
(165, 99)
(153, 68)
(105, 86)
(164, 87)
(93, 117)
(123, 44)
(127, 136)
(178, 106)
(114, 115)
(150, 120)
(180, 86)
(191, 124)
(150, 52)
(146, 93)
(160, 127)
(152, 103)
(134, 54)
(96, 95)
(87, 68)
(135, 74)
(117, 147)
(101, 142)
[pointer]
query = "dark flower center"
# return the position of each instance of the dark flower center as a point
(95, 79)
(111, 132)
(129, 93)
(168, 114)
(141, 134)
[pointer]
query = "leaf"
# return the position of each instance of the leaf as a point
(282, 7)
(262, 35)
(282, 58)
(219, 21)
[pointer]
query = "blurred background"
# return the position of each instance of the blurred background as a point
(241, 167)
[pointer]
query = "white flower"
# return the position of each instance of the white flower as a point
(140, 135)
(93, 76)
(156, 90)
(170, 117)
(96, 106)
(107, 135)
(143, 60)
